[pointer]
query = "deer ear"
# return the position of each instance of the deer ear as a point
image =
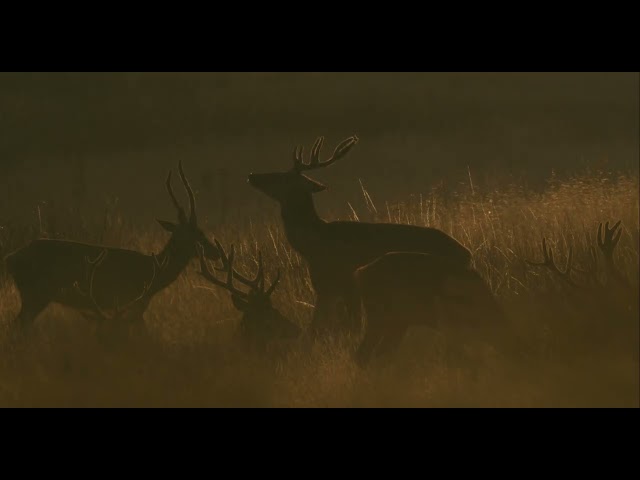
(314, 186)
(168, 226)
(239, 303)
(318, 187)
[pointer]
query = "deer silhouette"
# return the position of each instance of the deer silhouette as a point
(604, 290)
(261, 323)
(333, 250)
(404, 289)
(55, 271)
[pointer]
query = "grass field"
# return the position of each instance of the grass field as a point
(577, 356)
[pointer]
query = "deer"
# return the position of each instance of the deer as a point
(399, 290)
(333, 250)
(261, 323)
(604, 290)
(49, 271)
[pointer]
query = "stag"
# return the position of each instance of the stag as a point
(333, 250)
(605, 290)
(403, 289)
(261, 323)
(49, 271)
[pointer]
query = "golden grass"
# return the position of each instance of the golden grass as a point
(576, 359)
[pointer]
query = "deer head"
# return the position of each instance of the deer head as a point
(186, 236)
(260, 320)
(284, 186)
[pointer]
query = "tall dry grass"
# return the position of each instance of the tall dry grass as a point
(576, 356)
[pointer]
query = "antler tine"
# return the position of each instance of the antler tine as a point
(260, 275)
(314, 162)
(611, 238)
(257, 285)
(181, 215)
(550, 263)
(223, 254)
(315, 152)
(298, 159)
(225, 266)
(545, 253)
(208, 274)
(342, 149)
(192, 199)
(600, 242)
(607, 246)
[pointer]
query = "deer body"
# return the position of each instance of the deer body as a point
(69, 273)
(48, 271)
(403, 289)
(333, 250)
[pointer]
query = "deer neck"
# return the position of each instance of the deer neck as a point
(176, 260)
(301, 221)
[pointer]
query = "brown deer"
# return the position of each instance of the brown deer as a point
(403, 289)
(261, 323)
(49, 271)
(333, 250)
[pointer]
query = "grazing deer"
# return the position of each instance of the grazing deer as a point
(47, 271)
(261, 323)
(333, 250)
(606, 290)
(403, 289)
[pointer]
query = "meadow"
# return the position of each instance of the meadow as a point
(576, 356)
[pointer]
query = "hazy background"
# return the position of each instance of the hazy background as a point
(416, 130)
(85, 156)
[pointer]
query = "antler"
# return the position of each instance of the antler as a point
(551, 264)
(209, 275)
(611, 238)
(314, 162)
(118, 310)
(256, 284)
(607, 246)
(192, 200)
